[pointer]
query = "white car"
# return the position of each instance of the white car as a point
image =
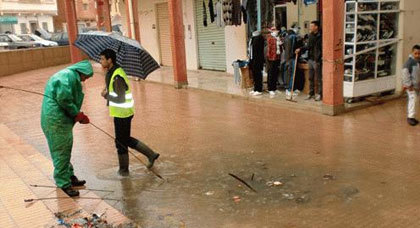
(38, 40)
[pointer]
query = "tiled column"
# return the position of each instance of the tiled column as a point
(107, 15)
(178, 43)
(333, 69)
(99, 14)
(70, 11)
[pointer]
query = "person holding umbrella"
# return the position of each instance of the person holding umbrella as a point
(121, 107)
(60, 111)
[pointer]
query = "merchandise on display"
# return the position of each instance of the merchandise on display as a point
(371, 31)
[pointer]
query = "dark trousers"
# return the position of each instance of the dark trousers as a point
(123, 135)
(123, 138)
(257, 76)
(315, 76)
(273, 74)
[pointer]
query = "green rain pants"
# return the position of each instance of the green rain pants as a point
(60, 143)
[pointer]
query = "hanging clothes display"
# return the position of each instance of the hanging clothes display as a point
(219, 14)
(204, 14)
(243, 9)
(211, 9)
(256, 56)
(236, 13)
(273, 59)
(227, 11)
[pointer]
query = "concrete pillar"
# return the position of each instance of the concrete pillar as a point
(99, 14)
(70, 11)
(178, 43)
(333, 68)
(107, 16)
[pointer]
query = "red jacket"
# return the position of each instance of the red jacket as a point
(272, 48)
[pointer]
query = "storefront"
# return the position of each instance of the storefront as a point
(6, 24)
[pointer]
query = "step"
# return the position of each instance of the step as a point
(22, 165)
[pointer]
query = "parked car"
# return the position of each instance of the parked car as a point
(14, 42)
(61, 38)
(38, 40)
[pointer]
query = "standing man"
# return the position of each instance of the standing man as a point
(121, 106)
(60, 111)
(411, 83)
(314, 47)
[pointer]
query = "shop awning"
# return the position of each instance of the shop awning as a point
(8, 20)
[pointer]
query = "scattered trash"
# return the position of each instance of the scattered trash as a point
(277, 183)
(288, 196)
(236, 199)
(328, 177)
(210, 193)
(252, 177)
(293, 175)
(350, 191)
(274, 183)
(242, 181)
(93, 220)
(303, 199)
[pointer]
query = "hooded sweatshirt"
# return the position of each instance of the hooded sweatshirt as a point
(411, 73)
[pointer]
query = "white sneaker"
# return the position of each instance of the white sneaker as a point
(252, 92)
(256, 93)
(272, 94)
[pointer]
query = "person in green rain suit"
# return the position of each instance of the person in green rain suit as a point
(60, 111)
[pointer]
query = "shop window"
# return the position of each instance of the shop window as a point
(23, 28)
(45, 26)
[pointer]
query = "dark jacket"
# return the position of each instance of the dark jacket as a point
(291, 43)
(257, 57)
(314, 47)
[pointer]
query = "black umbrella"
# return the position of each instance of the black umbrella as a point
(131, 56)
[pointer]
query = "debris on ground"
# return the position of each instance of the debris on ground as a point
(74, 221)
(328, 177)
(288, 196)
(242, 181)
(303, 199)
(236, 199)
(274, 183)
(210, 193)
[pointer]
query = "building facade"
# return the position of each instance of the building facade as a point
(86, 15)
(25, 16)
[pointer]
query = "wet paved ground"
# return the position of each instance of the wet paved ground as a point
(356, 170)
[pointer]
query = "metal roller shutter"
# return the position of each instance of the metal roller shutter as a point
(164, 34)
(211, 41)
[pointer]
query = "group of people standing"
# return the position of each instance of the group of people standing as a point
(279, 52)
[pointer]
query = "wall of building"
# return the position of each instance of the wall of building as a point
(38, 19)
(88, 14)
(236, 45)
(301, 14)
(235, 37)
(17, 61)
(149, 32)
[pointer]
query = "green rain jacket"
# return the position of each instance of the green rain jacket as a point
(62, 102)
(64, 96)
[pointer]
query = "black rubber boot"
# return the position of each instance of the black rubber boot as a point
(123, 160)
(149, 153)
(412, 121)
(71, 192)
(75, 182)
